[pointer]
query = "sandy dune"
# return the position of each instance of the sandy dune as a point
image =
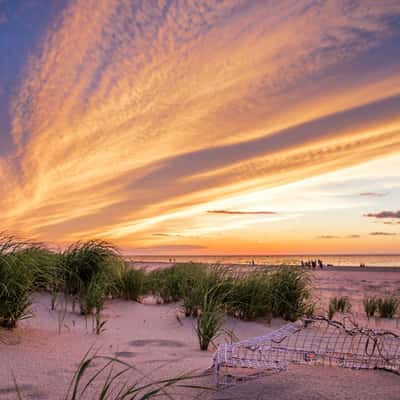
(160, 345)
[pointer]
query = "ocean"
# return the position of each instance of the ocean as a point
(381, 260)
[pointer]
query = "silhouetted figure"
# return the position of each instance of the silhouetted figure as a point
(320, 264)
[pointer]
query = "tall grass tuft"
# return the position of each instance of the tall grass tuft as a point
(88, 270)
(129, 282)
(198, 281)
(251, 296)
(290, 293)
(387, 307)
(18, 274)
(175, 283)
(338, 304)
(210, 318)
(370, 306)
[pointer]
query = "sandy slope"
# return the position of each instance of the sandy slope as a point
(152, 339)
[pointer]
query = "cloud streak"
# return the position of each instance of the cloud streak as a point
(383, 234)
(373, 194)
(384, 214)
(233, 212)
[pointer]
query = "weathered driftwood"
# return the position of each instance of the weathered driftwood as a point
(309, 342)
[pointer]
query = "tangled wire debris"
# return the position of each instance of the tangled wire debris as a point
(310, 341)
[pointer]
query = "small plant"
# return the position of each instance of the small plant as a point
(210, 318)
(370, 306)
(338, 304)
(387, 307)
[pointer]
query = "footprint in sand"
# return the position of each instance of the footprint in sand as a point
(125, 354)
(23, 388)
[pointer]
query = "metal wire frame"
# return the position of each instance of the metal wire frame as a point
(312, 341)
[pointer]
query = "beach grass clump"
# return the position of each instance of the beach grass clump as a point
(290, 292)
(175, 283)
(370, 306)
(18, 270)
(200, 281)
(129, 282)
(388, 307)
(85, 266)
(338, 304)
(251, 296)
(210, 317)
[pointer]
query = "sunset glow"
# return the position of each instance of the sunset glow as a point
(202, 127)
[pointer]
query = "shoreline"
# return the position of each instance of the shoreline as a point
(349, 268)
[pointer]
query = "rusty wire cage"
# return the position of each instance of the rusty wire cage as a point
(310, 341)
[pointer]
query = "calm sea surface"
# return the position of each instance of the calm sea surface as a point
(336, 260)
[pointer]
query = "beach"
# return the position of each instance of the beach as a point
(44, 351)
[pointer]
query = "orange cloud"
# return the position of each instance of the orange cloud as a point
(138, 113)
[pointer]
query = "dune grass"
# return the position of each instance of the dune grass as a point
(20, 275)
(387, 307)
(250, 297)
(87, 273)
(338, 304)
(210, 317)
(370, 306)
(290, 293)
(129, 283)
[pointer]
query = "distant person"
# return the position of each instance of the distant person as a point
(313, 264)
(320, 264)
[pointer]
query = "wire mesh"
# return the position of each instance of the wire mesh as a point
(311, 341)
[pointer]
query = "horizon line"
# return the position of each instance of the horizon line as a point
(264, 255)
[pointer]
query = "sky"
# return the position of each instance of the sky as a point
(202, 126)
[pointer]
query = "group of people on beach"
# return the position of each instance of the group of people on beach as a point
(312, 264)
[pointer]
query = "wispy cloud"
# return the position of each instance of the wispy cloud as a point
(384, 214)
(167, 235)
(167, 249)
(383, 234)
(373, 194)
(354, 236)
(233, 212)
(133, 113)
